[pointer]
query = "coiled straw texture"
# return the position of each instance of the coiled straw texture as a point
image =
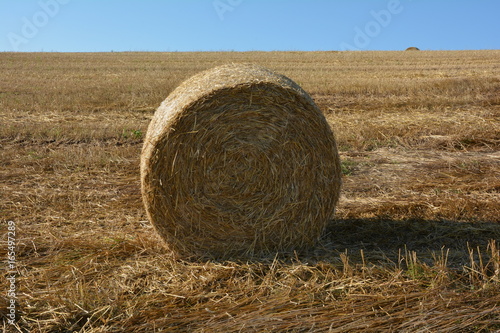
(239, 161)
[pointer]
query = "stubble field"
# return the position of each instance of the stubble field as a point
(414, 246)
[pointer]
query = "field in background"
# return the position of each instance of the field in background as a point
(414, 247)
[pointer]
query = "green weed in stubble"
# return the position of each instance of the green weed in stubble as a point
(135, 134)
(348, 167)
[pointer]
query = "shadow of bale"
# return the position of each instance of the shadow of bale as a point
(385, 238)
(385, 241)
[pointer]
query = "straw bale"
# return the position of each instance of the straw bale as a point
(239, 160)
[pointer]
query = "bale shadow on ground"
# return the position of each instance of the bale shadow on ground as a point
(383, 240)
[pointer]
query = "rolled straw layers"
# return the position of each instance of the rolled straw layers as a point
(239, 160)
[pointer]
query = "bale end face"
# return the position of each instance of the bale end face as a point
(239, 161)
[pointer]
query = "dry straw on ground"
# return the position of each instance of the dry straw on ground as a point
(239, 160)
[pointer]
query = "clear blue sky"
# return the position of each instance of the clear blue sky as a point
(242, 25)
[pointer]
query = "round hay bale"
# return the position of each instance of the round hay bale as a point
(239, 160)
(412, 48)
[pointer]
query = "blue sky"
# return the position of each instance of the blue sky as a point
(247, 25)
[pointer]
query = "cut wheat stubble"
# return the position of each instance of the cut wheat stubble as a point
(239, 161)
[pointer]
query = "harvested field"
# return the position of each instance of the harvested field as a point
(414, 246)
